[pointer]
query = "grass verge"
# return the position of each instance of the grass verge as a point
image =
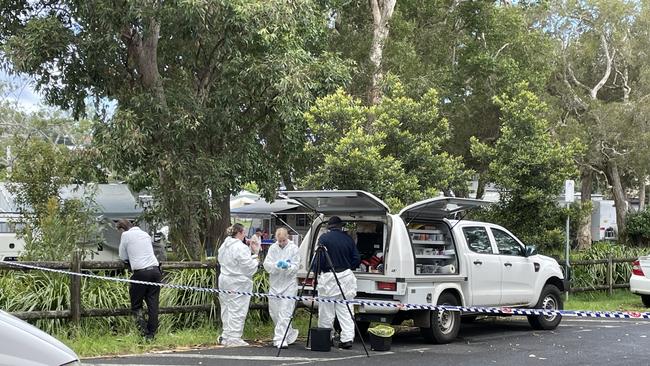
(621, 300)
(97, 342)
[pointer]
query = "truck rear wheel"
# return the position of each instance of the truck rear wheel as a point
(646, 300)
(550, 299)
(444, 324)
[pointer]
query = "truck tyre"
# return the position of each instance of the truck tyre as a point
(646, 300)
(551, 299)
(444, 324)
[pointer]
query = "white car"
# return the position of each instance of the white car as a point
(23, 344)
(640, 279)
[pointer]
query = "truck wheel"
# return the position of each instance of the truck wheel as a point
(444, 324)
(646, 300)
(550, 299)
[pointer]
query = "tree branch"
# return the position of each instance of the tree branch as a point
(608, 68)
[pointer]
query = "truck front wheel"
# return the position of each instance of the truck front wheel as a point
(444, 324)
(550, 299)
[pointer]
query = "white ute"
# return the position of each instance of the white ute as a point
(419, 256)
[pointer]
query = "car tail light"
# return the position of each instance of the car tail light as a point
(387, 286)
(636, 268)
(307, 282)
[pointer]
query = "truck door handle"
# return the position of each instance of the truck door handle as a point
(478, 262)
(507, 264)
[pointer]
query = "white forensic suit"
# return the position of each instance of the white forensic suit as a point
(282, 282)
(238, 266)
(327, 287)
(344, 256)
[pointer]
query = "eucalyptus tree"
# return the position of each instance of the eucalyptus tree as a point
(469, 51)
(208, 94)
(601, 85)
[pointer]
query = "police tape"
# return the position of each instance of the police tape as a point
(387, 304)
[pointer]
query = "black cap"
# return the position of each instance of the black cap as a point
(334, 222)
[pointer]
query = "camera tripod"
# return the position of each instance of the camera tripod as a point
(321, 250)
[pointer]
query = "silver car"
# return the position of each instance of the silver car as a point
(23, 344)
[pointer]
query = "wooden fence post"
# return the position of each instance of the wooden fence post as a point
(610, 275)
(75, 288)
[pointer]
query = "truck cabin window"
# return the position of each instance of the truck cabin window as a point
(478, 240)
(507, 244)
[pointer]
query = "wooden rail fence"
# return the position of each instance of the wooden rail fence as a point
(610, 283)
(76, 312)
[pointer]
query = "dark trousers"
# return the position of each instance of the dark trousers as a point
(148, 294)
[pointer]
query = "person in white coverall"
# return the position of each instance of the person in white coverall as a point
(238, 265)
(345, 258)
(281, 263)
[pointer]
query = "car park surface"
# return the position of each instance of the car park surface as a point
(491, 341)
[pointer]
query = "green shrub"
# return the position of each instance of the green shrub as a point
(596, 274)
(637, 227)
(46, 291)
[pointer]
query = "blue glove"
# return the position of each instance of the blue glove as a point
(282, 264)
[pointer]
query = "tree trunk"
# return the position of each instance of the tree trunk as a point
(642, 193)
(584, 228)
(218, 225)
(620, 202)
(480, 187)
(382, 11)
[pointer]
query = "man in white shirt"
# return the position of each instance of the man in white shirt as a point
(256, 239)
(136, 249)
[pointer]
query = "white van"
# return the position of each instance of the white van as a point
(10, 245)
(420, 256)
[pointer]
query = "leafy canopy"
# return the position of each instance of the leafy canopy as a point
(393, 149)
(527, 164)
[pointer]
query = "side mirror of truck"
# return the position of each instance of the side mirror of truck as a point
(530, 250)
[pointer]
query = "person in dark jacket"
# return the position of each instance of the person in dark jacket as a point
(345, 258)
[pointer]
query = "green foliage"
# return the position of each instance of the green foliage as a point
(393, 149)
(596, 274)
(52, 228)
(527, 165)
(638, 227)
(34, 291)
(173, 297)
(60, 230)
(209, 94)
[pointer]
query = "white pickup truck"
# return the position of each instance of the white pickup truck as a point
(420, 256)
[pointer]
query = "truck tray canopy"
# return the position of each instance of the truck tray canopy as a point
(439, 208)
(339, 202)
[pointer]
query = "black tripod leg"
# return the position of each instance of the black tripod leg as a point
(302, 291)
(338, 283)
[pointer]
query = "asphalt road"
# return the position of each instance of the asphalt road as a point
(494, 341)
